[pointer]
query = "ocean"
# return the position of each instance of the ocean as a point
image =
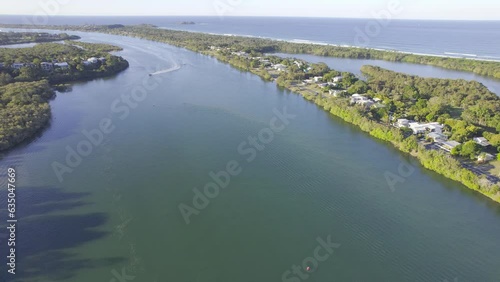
(469, 39)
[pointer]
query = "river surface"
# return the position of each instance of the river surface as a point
(117, 212)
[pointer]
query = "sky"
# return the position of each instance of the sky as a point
(398, 9)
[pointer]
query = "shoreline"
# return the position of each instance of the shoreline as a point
(449, 55)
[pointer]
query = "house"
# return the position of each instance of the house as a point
(417, 128)
(434, 127)
(280, 67)
(403, 123)
(93, 60)
(17, 65)
(62, 65)
(335, 93)
(485, 157)
(361, 100)
(481, 141)
(337, 79)
(377, 99)
(46, 66)
(102, 59)
(437, 137)
(317, 78)
(366, 103)
(299, 64)
(449, 145)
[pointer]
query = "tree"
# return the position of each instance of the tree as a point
(470, 149)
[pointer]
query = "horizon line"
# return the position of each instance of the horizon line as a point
(257, 16)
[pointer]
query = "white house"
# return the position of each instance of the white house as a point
(337, 79)
(485, 157)
(403, 123)
(62, 65)
(417, 128)
(481, 141)
(280, 67)
(335, 93)
(93, 60)
(437, 137)
(317, 78)
(449, 145)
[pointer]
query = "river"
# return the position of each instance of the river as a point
(318, 179)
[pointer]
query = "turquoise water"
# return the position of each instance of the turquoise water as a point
(119, 209)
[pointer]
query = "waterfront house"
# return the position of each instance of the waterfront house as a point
(337, 79)
(93, 60)
(403, 123)
(46, 66)
(485, 157)
(437, 137)
(62, 65)
(417, 128)
(481, 141)
(449, 145)
(279, 67)
(17, 65)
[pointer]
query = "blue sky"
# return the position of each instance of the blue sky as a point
(410, 9)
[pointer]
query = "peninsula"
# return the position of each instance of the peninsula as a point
(29, 77)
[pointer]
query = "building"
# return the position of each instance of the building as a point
(485, 157)
(102, 59)
(62, 65)
(361, 100)
(337, 79)
(279, 67)
(336, 93)
(403, 123)
(419, 128)
(46, 66)
(437, 137)
(481, 141)
(17, 65)
(449, 145)
(317, 78)
(434, 127)
(93, 60)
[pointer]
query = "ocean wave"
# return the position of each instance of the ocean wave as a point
(460, 54)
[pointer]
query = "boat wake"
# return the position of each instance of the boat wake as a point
(174, 68)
